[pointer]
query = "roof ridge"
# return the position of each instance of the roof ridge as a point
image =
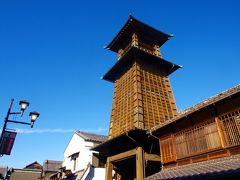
(92, 136)
(90, 133)
(208, 101)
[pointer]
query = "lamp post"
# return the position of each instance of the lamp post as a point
(23, 105)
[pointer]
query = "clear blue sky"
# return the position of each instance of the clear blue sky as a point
(51, 53)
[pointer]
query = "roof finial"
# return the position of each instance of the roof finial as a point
(130, 15)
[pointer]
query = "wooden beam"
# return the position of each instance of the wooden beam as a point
(109, 170)
(123, 155)
(152, 157)
(139, 164)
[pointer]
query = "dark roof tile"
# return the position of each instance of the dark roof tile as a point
(199, 106)
(216, 167)
(92, 137)
(25, 174)
(51, 165)
(34, 165)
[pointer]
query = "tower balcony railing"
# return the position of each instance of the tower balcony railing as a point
(142, 46)
(146, 47)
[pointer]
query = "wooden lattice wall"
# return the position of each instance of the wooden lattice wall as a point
(158, 102)
(220, 132)
(142, 99)
(123, 103)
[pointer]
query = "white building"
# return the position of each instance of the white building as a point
(78, 157)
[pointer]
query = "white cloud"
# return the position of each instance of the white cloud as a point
(58, 130)
(30, 131)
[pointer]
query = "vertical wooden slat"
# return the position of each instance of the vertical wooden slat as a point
(198, 139)
(139, 164)
(167, 149)
(220, 132)
(231, 128)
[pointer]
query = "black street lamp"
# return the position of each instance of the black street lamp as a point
(33, 116)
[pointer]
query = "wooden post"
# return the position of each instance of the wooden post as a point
(139, 164)
(109, 169)
(220, 133)
(157, 50)
(134, 40)
(120, 53)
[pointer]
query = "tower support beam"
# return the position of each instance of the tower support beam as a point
(109, 170)
(140, 169)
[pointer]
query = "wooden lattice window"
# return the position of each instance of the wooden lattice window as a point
(196, 140)
(230, 126)
(167, 149)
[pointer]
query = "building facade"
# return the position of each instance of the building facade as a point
(202, 141)
(142, 99)
(148, 138)
(79, 162)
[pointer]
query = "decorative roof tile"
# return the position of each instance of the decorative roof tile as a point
(216, 167)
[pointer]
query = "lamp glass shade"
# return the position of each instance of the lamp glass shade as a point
(34, 116)
(23, 105)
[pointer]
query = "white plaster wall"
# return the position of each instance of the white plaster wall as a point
(85, 155)
(94, 174)
(99, 174)
(78, 144)
(75, 145)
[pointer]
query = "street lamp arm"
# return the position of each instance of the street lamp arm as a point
(15, 113)
(19, 122)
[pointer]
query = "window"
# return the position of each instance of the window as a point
(196, 140)
(74, 158)
(167, 149)
(230, 126)
(202, 138)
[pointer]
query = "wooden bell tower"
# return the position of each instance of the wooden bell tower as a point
(142, 93)
(142, 99)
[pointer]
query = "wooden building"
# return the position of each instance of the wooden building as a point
(147, 135)
(142, 99)
(203, 141)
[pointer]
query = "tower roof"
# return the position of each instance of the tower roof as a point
(134, 25)
(166, 67)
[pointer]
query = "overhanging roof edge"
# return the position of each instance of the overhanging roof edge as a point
(191, 110)
(127, 23)
(120, 61)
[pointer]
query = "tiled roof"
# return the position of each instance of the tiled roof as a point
(200, 105)
(221, 167)
(92, 137)
(3, 170)
(51, 165)
(34, 165)
(25, 174)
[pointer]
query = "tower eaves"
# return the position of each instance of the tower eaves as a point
(132, 25)
(165, 66)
